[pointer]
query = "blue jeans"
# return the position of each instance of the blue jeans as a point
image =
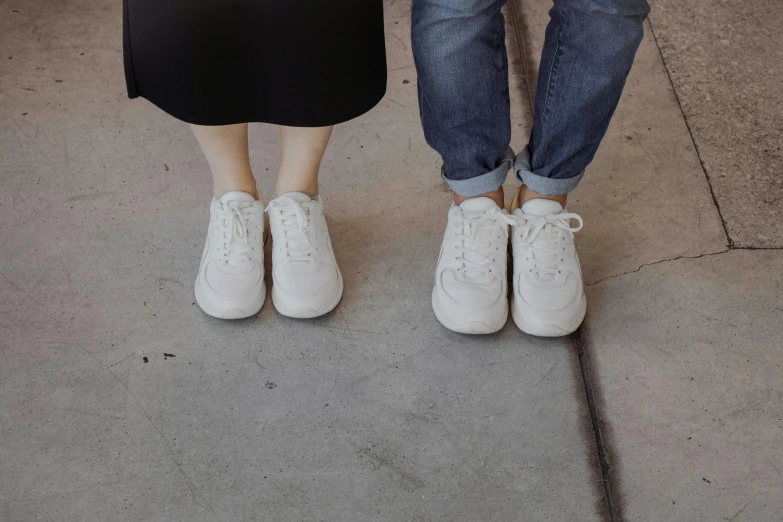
(460, 54)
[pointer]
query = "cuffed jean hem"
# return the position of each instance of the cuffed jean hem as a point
(483, 183)
(542, 185)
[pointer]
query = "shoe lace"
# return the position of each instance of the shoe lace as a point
(233, 224)
(295, 224)
(544, 235)
(476, 249)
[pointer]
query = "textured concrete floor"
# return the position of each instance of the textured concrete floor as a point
(726, 61)
(373, 412)
(690, 361)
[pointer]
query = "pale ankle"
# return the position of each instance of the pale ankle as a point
(524, 194)
(310, 190)
(496, 195)
(219, 190)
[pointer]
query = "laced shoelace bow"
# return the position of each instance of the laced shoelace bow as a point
(295, 222)
(541, 233)
(480, 252)
(236, 248)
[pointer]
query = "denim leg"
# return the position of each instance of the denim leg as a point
(588, 52)
(460, 54)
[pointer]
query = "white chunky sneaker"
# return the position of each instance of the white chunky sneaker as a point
(306, 280)
(230, 282)
(471, 287)
(549, 298)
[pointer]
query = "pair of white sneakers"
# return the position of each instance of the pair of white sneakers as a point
(306, 280)
(471, 279)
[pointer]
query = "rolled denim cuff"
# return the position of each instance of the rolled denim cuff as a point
(542, 185)
(484, 183)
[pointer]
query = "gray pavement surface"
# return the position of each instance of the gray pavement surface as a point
(690, 361)
(374, 412)
(726, 61)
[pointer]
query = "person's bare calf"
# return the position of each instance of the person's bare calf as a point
(301, 151)
(226, 149)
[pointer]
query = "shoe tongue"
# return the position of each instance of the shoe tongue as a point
(299, 197)
(478, 204)
(541, 207)
(236, 197)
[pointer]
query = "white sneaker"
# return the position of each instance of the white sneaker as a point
(230, 282)
(549, 298)
(471, 287)
(306, 280)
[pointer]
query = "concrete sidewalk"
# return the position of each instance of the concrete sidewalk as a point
(120, 400)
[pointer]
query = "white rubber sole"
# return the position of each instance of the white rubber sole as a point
(229, 313)
(472, 327)
(308, 313)
(549, 329)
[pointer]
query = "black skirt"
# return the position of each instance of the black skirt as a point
(302, 63)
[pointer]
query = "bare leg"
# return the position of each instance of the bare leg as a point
(301, 150)
(225, 148)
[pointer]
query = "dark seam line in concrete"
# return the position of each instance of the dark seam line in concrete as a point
(512, 5)
(606, 469)
(576, 336)
(755, 248)
(730, 242)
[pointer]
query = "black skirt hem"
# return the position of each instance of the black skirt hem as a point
(359, 109)
(194, 81)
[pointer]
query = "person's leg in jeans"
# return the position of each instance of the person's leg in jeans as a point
(588, 52)
(460, 56)
(589, 49)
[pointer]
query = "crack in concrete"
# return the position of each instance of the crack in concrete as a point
(708, 254)
(658, 263)
(756, 248)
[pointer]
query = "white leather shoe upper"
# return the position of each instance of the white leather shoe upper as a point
(305, 275)
(230, 280)
(470, 294)
(548, 290)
